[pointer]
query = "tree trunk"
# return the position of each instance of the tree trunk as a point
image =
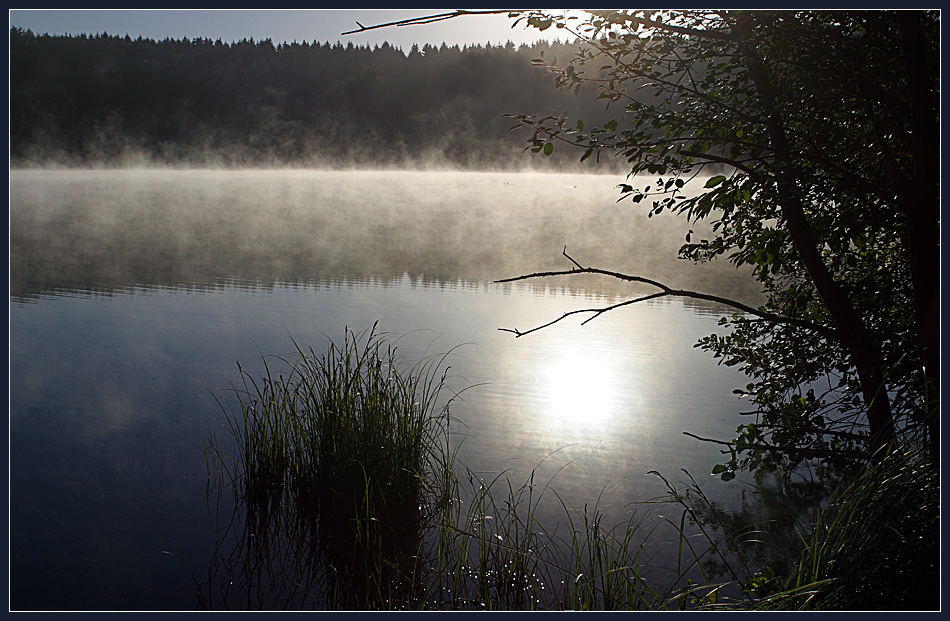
(863, 352)
(920, 198)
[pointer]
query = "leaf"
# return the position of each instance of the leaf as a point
(586, 154)
(714, 181)
(611, 125)
(727, 476)
(548, 148)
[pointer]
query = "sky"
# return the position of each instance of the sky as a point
(279, 25)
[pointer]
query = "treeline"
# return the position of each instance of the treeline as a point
(101, 99)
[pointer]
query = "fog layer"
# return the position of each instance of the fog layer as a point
(115, 230)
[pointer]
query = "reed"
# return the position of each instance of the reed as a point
(876, 546)
(496, 554)
(341, 454)
(873, 545)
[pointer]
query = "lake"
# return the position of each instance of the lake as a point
(134, 294)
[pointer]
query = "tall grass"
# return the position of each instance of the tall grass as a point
(874, 544)
(339, 454)
(492, 552)
(877, 544)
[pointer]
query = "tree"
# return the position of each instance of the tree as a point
(822, 126)
(826, 125)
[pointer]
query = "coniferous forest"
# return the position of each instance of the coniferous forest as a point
(114, 101)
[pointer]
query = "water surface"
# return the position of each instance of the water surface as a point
(135, 293)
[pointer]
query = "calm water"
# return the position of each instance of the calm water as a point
(135, 293)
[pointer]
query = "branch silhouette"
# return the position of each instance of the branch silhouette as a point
(427, 19)
(664, 291)
(806, 451)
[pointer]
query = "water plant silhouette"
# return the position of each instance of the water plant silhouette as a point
(335, 469)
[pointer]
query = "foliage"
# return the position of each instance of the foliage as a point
(808, 140)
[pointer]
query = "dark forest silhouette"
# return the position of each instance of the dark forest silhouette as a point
(103, 99)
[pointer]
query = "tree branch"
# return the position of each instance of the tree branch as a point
(804, 451)
(664, 291)
(683, 30)
(693, 435)
(722, 160)
(427, 19)
(597, 312)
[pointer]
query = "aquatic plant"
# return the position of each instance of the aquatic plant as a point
(873, 543)
(340, 455)
(877, 544)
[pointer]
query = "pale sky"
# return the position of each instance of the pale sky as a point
(279, 25)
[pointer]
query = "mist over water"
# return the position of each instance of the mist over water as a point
(136, 292)
(111, 231)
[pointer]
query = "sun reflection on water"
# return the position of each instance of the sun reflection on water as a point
(581, 389)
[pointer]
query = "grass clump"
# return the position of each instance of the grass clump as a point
(876, 546)
(336, 464)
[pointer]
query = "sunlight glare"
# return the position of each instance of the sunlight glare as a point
(581, 388)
